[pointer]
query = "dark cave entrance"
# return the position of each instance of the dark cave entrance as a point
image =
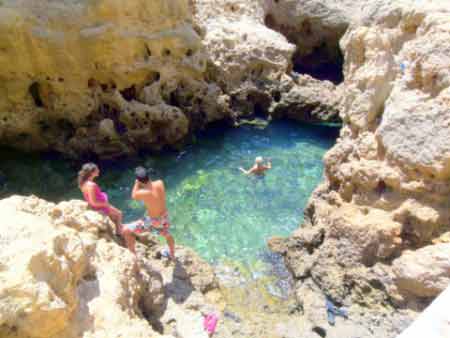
(320, 65)
(324, 62)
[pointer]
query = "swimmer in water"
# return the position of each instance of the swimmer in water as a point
(259, 168)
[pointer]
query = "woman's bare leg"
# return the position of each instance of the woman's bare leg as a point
(116, 216)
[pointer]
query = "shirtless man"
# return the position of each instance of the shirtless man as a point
(153, 194)
(258, 168)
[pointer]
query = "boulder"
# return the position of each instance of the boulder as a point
(425, 272)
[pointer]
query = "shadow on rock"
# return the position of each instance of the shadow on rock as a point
(181, 286)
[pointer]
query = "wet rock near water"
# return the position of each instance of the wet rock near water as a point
(309, 100)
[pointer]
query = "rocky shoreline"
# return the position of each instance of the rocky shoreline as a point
(63, 273)
(375, 235)
(62, 267)
(376, 232)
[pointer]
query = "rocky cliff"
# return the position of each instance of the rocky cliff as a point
(63, 275)
(97, 76)
(110, 78)
(376, 230)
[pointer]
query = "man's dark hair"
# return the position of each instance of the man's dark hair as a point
(142, 174)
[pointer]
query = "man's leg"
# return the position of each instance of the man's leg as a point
(130, 240)
(128, 232)
(170, 242)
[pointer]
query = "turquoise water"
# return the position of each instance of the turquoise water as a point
(216, 210)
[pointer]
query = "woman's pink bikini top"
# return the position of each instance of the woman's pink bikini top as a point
(99, 197)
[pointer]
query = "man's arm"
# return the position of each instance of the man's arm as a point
(243, 170)
(269, 165)
(162, 187)
(137, 193)
(248, 172)
(252, 170)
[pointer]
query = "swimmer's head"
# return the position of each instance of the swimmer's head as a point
(259, 160)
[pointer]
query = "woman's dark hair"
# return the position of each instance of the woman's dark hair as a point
(86, 170)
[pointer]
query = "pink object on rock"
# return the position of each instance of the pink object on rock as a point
(210, 323)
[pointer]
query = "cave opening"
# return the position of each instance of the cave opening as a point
(173, 99)
(34, 91)
(321, 64)
(324, 62)
(255, 104)
(258, 110)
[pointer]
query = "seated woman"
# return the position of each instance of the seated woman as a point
(97, 199)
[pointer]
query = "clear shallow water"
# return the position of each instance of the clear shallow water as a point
(221, 213)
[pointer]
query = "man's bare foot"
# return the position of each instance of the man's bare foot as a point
(168, 258)
(166, 254)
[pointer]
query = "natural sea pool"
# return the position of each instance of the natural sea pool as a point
(215, 209)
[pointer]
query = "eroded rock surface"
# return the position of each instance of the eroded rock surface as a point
(376, 231)
(63, 276)
(102, 77)
(107, 78)
(253, 62)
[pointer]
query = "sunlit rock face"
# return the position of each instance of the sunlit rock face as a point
(101, 76)
(108, 78)
(379, 223)
(253, 62)
(64, 276)
(242, 49)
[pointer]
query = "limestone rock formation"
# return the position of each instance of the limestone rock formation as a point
(241, 48)
(308, 100)
(63, 276)
(370, 227)
(254, 64)
(107, 78)
(316, 28)
(414, 273)
(102, 77)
